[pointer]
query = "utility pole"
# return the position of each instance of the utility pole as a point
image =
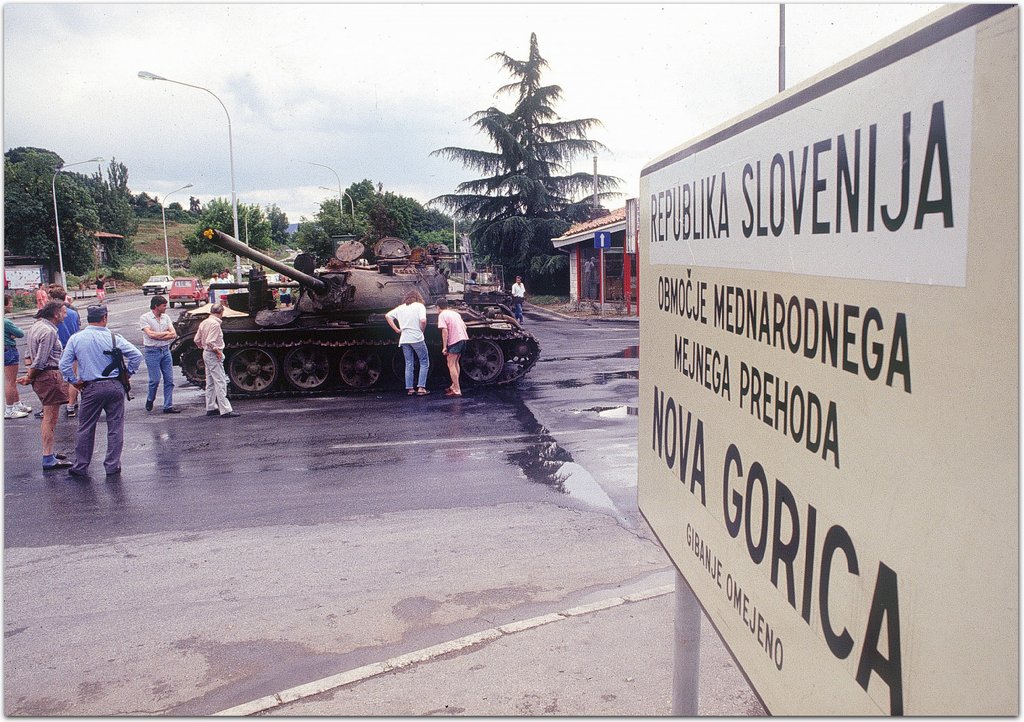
(782, 47)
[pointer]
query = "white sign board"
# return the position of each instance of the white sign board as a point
(829, 378)
(23, 277)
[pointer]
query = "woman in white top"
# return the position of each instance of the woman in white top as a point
(410, 320)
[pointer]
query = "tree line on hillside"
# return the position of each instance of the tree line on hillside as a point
(526, 197)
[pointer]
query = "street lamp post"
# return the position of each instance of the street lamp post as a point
(351, 203)
(340, 192)
(163, 215)
(56, 217)
(145, 75)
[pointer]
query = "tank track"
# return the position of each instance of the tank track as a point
(519, 352)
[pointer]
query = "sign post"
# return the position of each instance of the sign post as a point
(828, 428)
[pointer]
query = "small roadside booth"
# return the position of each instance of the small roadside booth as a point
(603, 262)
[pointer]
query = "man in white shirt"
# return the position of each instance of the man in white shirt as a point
(157, 335)
(210, 338)
(518, 296)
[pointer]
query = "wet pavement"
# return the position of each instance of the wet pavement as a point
(235, 558)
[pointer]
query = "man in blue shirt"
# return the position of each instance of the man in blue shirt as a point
(101, 389)
(70, 325)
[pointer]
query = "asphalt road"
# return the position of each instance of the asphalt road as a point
(239, 557)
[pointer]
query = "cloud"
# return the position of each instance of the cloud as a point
(371, 90)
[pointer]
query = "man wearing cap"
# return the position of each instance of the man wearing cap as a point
(158, 334)
(101, 391)
(210, 338)
(44, 350)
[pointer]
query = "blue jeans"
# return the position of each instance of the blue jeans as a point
(158, 363)
(417, 350)
(517, 309)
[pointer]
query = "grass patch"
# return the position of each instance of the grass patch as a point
(547, 300)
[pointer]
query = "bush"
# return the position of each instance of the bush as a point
(139, 274)
(204, 265)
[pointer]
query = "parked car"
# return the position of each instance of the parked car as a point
(186, 290)
(157, 284)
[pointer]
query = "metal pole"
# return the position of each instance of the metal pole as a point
(56, 217)
(686, 651)
(145, 75)
(167, 252)
(341, 200)
(782, 47)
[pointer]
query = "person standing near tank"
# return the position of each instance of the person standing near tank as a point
(453, 339)
(71, 325)
(410, 321)
(158, 334)
(13, 407)
(98, 379)
(518, 296)
(210, 338)
(44, 350)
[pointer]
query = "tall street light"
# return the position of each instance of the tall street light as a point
(351, 203)
(341, 202)
(146, 75)
(56, 218)
(167, 252)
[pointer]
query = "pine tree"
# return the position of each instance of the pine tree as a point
(529, 197)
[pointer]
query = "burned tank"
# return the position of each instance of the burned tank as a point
(334, 337)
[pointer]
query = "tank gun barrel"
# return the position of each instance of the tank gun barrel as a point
(233, 245)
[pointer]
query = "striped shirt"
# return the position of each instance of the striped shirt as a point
(44, 347)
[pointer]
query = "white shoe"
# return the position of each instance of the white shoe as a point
(20, 406)
(14, 413)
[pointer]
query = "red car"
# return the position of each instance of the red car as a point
(186, 290)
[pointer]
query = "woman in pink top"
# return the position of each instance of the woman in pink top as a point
(453, 339)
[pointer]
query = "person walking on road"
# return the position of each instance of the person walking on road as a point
(453, 339)
(44, 354)
(518, 296)
(98, 379)
(71, 325)
(101, 288)
(410, 321)
(158, 334)
(210, 338)
(13, 407)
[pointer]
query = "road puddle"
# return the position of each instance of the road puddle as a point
(611, 412)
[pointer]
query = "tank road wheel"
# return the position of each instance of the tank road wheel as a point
(360, 367)
(193, 367)
(307, 367)
(252, 370)
(482, 360)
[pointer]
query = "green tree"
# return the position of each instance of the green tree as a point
(204, 265)
(28, 209)
(278, 225)
(217, 214)
(527, 196)
(115, 207)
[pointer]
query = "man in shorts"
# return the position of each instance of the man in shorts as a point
(44, 350)
(453, 339)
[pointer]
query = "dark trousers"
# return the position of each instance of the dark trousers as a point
(100, 397)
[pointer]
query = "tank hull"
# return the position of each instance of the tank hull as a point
(330, 355)
(335, 338)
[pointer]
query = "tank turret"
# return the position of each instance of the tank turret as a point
(334, 337)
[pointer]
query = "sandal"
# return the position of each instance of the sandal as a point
(449, 392)
(422, 392)
(410, 392)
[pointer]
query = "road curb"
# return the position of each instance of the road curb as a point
(541, 310)
(427, 654)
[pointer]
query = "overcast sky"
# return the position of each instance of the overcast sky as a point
(370, 90)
